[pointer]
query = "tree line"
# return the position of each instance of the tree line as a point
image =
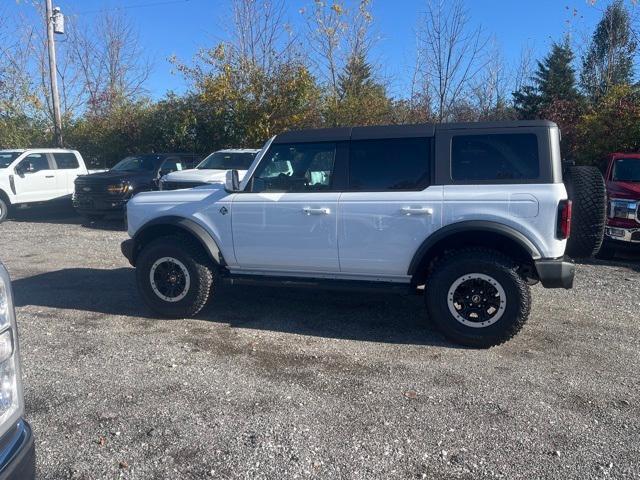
(269, 77)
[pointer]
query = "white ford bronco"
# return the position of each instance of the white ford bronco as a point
(37, 175)
(469, 215)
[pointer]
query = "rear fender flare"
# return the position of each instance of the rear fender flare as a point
(471, 226)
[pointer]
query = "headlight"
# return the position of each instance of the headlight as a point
(623, 209)
(118, 189)
(11, 403)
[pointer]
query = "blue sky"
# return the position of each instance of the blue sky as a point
(180, 27)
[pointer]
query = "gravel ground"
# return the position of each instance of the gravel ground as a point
(271, 383)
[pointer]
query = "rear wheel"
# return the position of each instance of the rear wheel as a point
(174, 277)
(477, 298)
(4, 210)
(587, 191)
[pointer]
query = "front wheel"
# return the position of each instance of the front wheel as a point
(174, 277)
(477, 298)
(4, 210)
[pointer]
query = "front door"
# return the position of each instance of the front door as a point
(286, 220)
(35, 179)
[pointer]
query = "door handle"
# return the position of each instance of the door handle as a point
(316, 211)
(416, 211)
(48, 176)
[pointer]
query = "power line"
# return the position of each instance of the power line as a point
(129, 7)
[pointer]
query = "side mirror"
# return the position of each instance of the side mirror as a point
(232, 182)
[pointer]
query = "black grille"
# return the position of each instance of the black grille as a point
(181, 185)
(635, 236)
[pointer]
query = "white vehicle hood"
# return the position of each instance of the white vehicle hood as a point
(200, 175)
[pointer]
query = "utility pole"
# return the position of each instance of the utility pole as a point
(53, 73)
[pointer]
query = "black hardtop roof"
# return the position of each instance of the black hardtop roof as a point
(396, 131)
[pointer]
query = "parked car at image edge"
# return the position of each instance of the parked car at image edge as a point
(17, 450)
(622, 176)
(105, 193)
(212, 169)
(476, 212)
(37, 175)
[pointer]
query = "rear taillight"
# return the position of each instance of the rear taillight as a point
(564, 219)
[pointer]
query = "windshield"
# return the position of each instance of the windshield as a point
(143, 163)
(626, 170)
(227, 161)
(7, 158)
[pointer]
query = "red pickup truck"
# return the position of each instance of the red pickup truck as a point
(622, 176)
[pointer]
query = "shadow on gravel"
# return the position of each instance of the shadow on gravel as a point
(630, 261)
(63, 213)
(56, 213)
(385, 318)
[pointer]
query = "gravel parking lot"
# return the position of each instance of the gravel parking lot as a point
(272, 383)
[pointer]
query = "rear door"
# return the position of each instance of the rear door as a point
(389, 207)
(35, 179)
(68, 168)
(286, 220)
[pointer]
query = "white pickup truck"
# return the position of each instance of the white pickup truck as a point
(37, 175)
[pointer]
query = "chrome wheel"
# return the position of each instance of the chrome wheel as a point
(476, 300)
(170, 279)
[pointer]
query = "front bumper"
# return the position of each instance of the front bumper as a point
(556, 272)
(619, 234)
(18, 453)
(99, 204)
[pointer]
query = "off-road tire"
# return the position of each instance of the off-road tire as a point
(587, 190)
(487, 262)
(4, 210)
(199, 267)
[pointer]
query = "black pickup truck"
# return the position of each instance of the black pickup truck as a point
(104, 193)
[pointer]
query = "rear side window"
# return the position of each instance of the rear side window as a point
(495, 157)
(66, 161)
(390, 164)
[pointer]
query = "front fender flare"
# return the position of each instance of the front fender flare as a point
(190, 226)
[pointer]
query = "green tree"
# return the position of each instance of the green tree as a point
(554, 80)
(609, 60)
(361, 100)
(612, 125)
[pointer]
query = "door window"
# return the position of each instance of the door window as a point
(401, 164)
(66, 161)
(296, 168)
(173, 164)
(35, 162)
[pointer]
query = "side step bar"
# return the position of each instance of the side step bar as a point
(340, 285)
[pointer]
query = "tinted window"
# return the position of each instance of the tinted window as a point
(227, 161)
(66, 161)
(305, 167)
(7, 158)
(35, 162)
(174, 164)
(495, 157)
(137, 164)
(390, 164)
(626, 170)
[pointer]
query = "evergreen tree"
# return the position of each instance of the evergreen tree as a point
(554, 80)
(609, 61)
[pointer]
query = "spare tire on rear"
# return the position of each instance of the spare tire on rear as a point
(587, 190)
